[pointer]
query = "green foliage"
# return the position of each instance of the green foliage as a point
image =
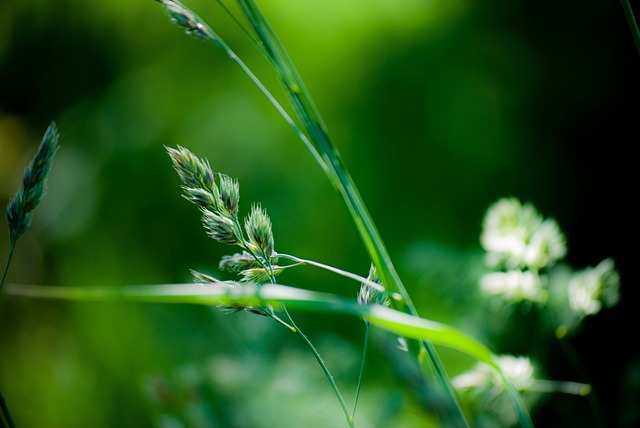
(526, 291)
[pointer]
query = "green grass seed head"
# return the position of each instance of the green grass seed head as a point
(258, 228)
(221, 227)
(185, 19)
(33, 185)
(230, 194)
(238, 262)
(194, 172)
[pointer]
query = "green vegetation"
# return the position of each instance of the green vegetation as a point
(468, 341)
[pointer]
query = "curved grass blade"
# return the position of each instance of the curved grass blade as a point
(279, 296)
(337, 173)
(631, 21)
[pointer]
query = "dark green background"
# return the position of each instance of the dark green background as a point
(438, 108)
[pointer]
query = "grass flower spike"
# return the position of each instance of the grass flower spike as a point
(258, 227)
(219, 204)
(20, 211)
(34, 180)
(369, 295)
(20, 208)
(186, 19)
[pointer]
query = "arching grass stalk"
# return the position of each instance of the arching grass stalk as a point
(337, 172)
(278, 296)
(317, 140)
(196, 27)
(5, 417)
(12, 246)
(218, 201)
(325, 369)
(20, 211)
(344, 273)
(362, 364)
(631, 21)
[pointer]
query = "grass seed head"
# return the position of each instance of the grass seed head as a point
(33, 184)
(186, 19)
(258, 227)
(230, 194)
(193, 172)
(368, 295)
(238, 262)
(221, 227)
(260, 275)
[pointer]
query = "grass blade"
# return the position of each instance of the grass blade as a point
(279, 296)
(337, 173)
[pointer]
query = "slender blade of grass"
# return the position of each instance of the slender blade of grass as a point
(279, 296)
(631, 21)
(273, 295)
(337, 173)
(317, 140)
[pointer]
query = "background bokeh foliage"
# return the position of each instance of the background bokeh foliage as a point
(438, 109)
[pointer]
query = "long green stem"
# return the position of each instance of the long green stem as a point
(6, 419)
(337, 173)
(631, 20)
(6, 415)
(360, 376)
(317, 140)
(577, 365)
(12, 246)
(341, 272)
(392, 320)
(324, 367)
(293, 327)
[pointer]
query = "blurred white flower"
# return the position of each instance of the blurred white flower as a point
(516, 236)
(514, 285)
(593, 287)
(519, 370)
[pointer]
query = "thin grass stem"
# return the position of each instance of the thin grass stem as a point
(293, 327)
(324, 367)
(361, 375)
(317, 140)
(6, 415)
(631, 21)
(344, 273)
(197, 27)
(576, 363)
(235, 19)
(521, 410)
(337, 173)
(12, 247)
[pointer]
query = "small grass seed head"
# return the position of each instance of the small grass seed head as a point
(221, 227)
(201, 197)
(186, 19)
(202, 278)
(258, 227)
(230, 194)
(260, 275)
(195, 173)
(238, 262)
(368, 295)
(18, 218)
